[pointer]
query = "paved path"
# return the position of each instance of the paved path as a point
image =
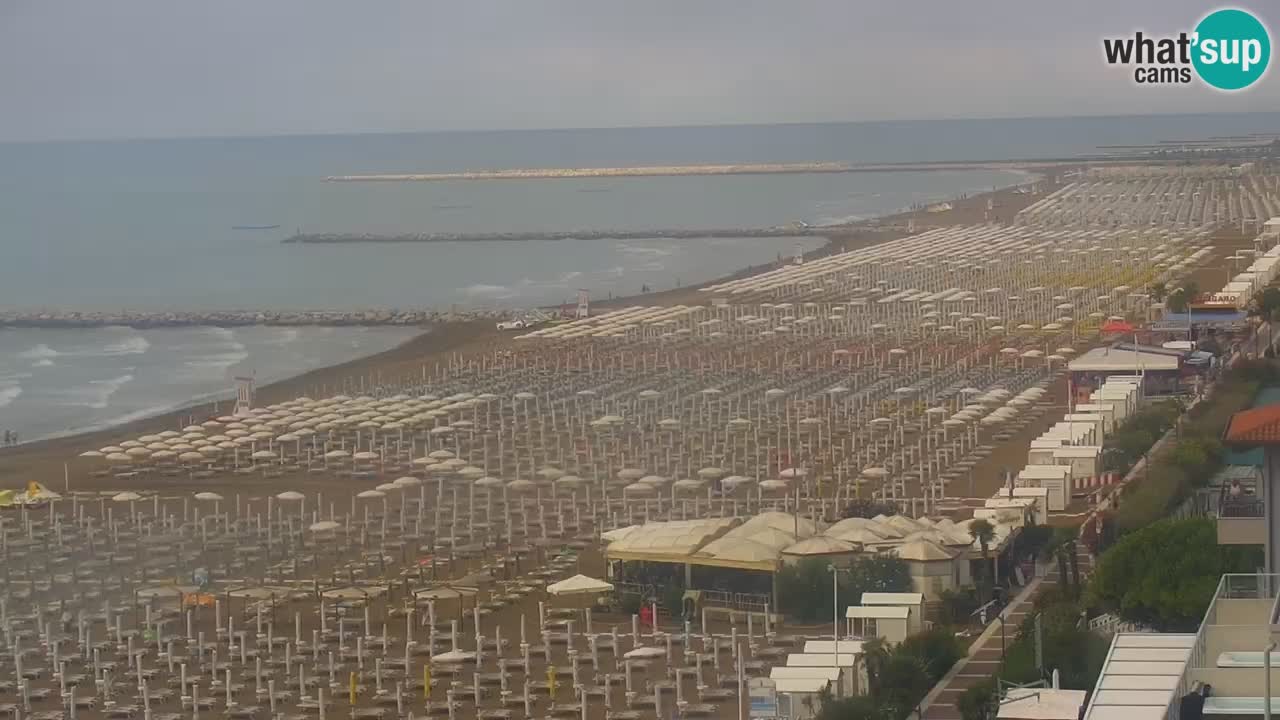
(984, 657)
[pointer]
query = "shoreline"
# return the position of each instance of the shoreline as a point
(44, 459)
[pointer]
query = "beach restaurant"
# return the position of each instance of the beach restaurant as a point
(1162, 369)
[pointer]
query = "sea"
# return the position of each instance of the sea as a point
(152, 225)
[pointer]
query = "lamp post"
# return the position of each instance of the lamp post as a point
(835, 620)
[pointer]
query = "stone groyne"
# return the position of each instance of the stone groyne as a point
(603, 172)
(241, 318)
(798, 230)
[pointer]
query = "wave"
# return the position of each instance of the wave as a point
(646, 250)
(94, 394)
(134, 345)
(100, 392)
(43, 362)
(497, 292)
(286, 336)
(842, 220)
(214, 366)
(9, 393)
(39, 352)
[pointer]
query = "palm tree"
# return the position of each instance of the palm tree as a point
(875, 654)
(984, 532)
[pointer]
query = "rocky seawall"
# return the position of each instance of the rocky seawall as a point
(241, 318)
(791, 231)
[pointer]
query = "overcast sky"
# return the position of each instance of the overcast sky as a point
(161, 68)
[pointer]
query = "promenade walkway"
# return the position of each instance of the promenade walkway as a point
(983, 660)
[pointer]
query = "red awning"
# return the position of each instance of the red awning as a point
(1117, 326)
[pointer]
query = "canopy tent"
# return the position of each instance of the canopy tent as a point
(579, 585)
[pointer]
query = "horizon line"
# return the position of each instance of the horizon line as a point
(657, 126)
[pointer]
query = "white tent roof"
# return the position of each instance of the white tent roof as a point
(820, 545)
(922, 551)
(671, 540)
(579, 585)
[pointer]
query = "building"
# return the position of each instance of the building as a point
(1161, 369)
(1147, 676)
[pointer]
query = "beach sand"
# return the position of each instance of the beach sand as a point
(44, 460)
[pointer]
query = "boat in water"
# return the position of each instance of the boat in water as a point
(255, 227)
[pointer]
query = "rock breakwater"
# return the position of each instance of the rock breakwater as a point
(242, 318)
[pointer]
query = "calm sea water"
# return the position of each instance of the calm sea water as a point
(148, 225)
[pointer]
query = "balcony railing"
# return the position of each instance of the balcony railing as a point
(1241, 507)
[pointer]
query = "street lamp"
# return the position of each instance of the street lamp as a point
(835, 620)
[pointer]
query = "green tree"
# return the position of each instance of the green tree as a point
(978, 702)
(804, 589)
(1164, 575)
(876, 573)
(937, 650)
(859, 707)
(867, 508)
(904, 681)
(1157, 291)
(1178, 299)
(958, 605)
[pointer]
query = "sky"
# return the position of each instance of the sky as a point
(96, 69)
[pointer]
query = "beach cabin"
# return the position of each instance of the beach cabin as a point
(934, 568)
(1101, 426)
(849, 659)
(800, 698)
(1271, 231)
(1103, 409)
(1012, 510)
(828, 674)
(912, 601)
(1055, 479)
(1085, 462)
(1041, 450)
(1072, 433)
(891, 623)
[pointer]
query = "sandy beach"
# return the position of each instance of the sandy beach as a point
(44, 460)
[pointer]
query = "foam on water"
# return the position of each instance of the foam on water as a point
(100, 391)
(496, 292)
(9, 392)
(39, 352)
(132, 345)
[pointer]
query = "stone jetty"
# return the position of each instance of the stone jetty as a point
(241, 318)
(788, 231)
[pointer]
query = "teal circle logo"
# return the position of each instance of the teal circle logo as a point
(1232, 49)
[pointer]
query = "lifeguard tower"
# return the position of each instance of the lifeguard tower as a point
(244, 396)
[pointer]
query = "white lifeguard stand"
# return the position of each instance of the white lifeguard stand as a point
(798, 258)
(584, 304)
(244, 396)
